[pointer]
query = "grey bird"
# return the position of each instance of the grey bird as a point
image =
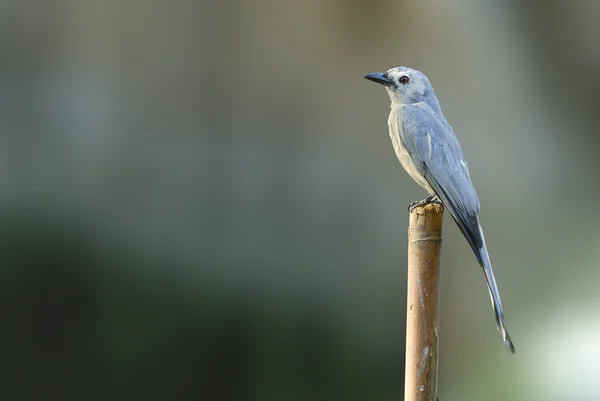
(430, 153)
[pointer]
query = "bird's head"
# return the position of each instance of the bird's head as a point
(404, 85)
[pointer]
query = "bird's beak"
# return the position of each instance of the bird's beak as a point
(380, 78)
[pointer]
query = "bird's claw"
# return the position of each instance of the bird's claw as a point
(429, 200)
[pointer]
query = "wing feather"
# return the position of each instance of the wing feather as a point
(438, 155)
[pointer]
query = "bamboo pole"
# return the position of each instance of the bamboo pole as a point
(422, 315)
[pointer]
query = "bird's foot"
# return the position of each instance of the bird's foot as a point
(429, 200)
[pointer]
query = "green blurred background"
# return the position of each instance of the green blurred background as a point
(200, 200)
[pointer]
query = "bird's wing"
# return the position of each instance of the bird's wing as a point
(437, 153)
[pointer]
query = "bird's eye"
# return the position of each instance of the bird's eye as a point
(403, 79)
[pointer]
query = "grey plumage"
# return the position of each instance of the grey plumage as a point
(431, 154)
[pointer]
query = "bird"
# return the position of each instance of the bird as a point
(429, 151)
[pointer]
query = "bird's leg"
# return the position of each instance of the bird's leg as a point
(418, 203)
(426, 201)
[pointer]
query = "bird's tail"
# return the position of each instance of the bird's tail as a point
(484, 261)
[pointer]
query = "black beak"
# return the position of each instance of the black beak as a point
(380, 78)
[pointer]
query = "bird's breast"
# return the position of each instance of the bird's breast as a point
(403, 155)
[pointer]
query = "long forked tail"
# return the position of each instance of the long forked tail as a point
(468, 223)
(494, 294)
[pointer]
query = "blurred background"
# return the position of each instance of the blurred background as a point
(200, 200)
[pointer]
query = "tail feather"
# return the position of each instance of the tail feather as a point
(471, 229)
(494, 295)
